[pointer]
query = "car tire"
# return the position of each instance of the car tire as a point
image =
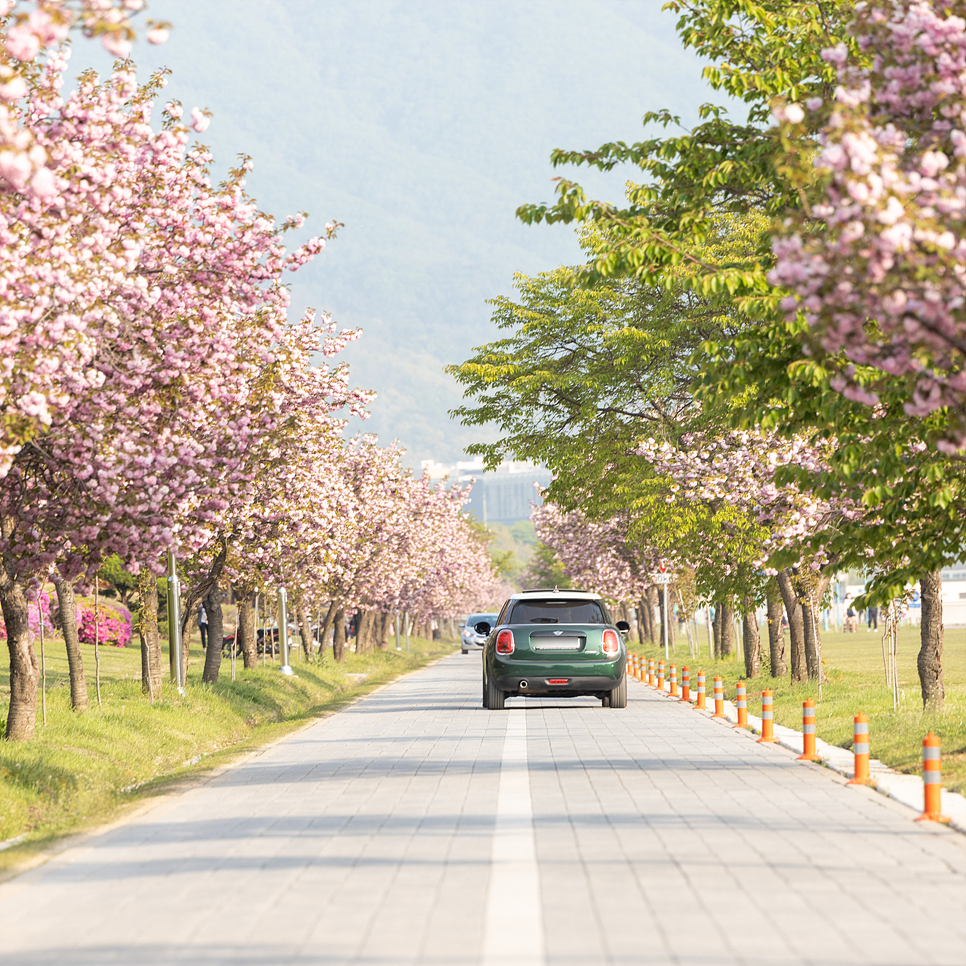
(618, 697)
(605, 700)
(463, 650)
(493, 698)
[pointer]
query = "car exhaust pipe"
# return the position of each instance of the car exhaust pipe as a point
(524, 685)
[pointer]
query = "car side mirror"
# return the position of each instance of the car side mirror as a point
(623, 627)
(482, 628)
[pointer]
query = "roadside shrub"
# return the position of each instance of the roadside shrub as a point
(113, 624)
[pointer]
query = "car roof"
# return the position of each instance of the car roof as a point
(555, 592)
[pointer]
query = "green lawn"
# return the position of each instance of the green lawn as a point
(75, 772)
(856, 682)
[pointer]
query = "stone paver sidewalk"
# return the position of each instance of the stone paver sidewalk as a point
(653, 834)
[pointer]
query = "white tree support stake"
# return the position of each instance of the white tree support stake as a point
(175, 657)
(283, 630)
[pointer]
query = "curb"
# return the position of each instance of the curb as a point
(905, 789)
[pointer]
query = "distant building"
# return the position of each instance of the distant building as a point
(502, 496)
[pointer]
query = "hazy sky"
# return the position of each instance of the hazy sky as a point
(420, 125)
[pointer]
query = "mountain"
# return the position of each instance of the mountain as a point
(421, 126)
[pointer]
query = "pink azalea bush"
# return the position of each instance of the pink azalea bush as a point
(113, 624)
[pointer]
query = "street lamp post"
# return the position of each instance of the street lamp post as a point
(174, 624)
(283, 630)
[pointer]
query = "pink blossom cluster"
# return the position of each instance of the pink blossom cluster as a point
(141, 313)
(884, 279)
(597, 557)
(740, 470)
(28, 30)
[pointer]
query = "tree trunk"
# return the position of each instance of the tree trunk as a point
(930, 660)
(327, 625)
(24, 669)
(776, 633)
(362, 631)
(810, 626)
(796, 629)
(216, 635)
(809, 631)
(338, 637)
(727, 630)
(247, 632)
(75, 662)
(305, 629)
(385, 627)
(716, 630)
(152, 672)
(752, 639)
(367, 632)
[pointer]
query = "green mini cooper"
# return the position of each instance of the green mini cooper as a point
(554, 642)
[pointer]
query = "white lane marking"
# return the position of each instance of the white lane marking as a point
(513, 929)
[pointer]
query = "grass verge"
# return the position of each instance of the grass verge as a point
(856, 682)
(82, 770)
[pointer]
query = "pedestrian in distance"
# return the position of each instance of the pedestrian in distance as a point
(203, 626)
(851, 618)
(872, 616)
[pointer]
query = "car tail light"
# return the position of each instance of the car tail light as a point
(504, 642)
(612, 644)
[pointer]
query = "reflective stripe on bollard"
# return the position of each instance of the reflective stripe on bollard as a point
(741, 704)
(808, 732)
(718, 697)
(767, 717)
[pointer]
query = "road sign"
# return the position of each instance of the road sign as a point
(662, 578)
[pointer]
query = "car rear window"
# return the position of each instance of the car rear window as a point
(559, 612)
(475, 619)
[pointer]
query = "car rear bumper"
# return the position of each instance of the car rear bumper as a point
(566, 679)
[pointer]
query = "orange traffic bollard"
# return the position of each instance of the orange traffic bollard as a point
(767, 717)
(635, 666)
(700, 704)
(674, 681)
(718, 697)
(650, 671)
(741, 703)
(860, 747)
(808, 732)
(660, 675)
(932, 781)
(685, 684)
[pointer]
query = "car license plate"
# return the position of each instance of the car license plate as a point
(561, 643)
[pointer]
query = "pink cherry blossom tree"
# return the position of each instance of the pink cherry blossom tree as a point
(139, 307)
(879, 266)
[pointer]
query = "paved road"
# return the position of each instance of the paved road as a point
(415, 827)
